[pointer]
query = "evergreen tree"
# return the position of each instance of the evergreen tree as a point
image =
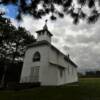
(13, 43)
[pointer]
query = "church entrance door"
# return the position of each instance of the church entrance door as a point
(34, 75)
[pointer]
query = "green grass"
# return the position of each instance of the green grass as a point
(88, 89)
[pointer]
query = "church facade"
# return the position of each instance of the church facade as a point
(45, 64)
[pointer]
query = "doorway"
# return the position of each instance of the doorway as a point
(34, 74)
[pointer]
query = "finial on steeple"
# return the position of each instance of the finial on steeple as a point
(46, 21)
(45, 26)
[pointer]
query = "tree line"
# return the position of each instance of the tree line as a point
(90, 74)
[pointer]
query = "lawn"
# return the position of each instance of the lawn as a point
(87, 89)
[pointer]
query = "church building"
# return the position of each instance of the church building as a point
(45, 64)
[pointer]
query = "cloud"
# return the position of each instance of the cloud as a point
(3, 9)
(33, 25)
(81, 41)
(86, 56)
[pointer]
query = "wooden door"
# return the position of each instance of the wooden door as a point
(34, 74)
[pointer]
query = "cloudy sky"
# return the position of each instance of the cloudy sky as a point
(81, 41)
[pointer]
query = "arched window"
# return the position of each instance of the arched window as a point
(36, 57)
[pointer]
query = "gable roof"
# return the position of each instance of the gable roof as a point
(38, 43)
(44, 42)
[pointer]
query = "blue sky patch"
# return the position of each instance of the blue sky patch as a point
(10, 10)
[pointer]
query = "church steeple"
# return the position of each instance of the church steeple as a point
(45, 26)
(44, 34)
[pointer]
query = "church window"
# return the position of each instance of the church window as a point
(61, 72)
(36, 57)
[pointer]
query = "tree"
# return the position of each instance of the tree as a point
(13, 43)
(74, 8)
(18, 42)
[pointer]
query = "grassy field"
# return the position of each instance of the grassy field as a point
(87, 89)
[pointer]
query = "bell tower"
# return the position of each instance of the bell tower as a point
(44, 34)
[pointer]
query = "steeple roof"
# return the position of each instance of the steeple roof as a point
(45, 28)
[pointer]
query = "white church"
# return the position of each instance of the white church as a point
(45, 64)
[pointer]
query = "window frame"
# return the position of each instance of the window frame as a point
(36, 57)
(61, 71)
